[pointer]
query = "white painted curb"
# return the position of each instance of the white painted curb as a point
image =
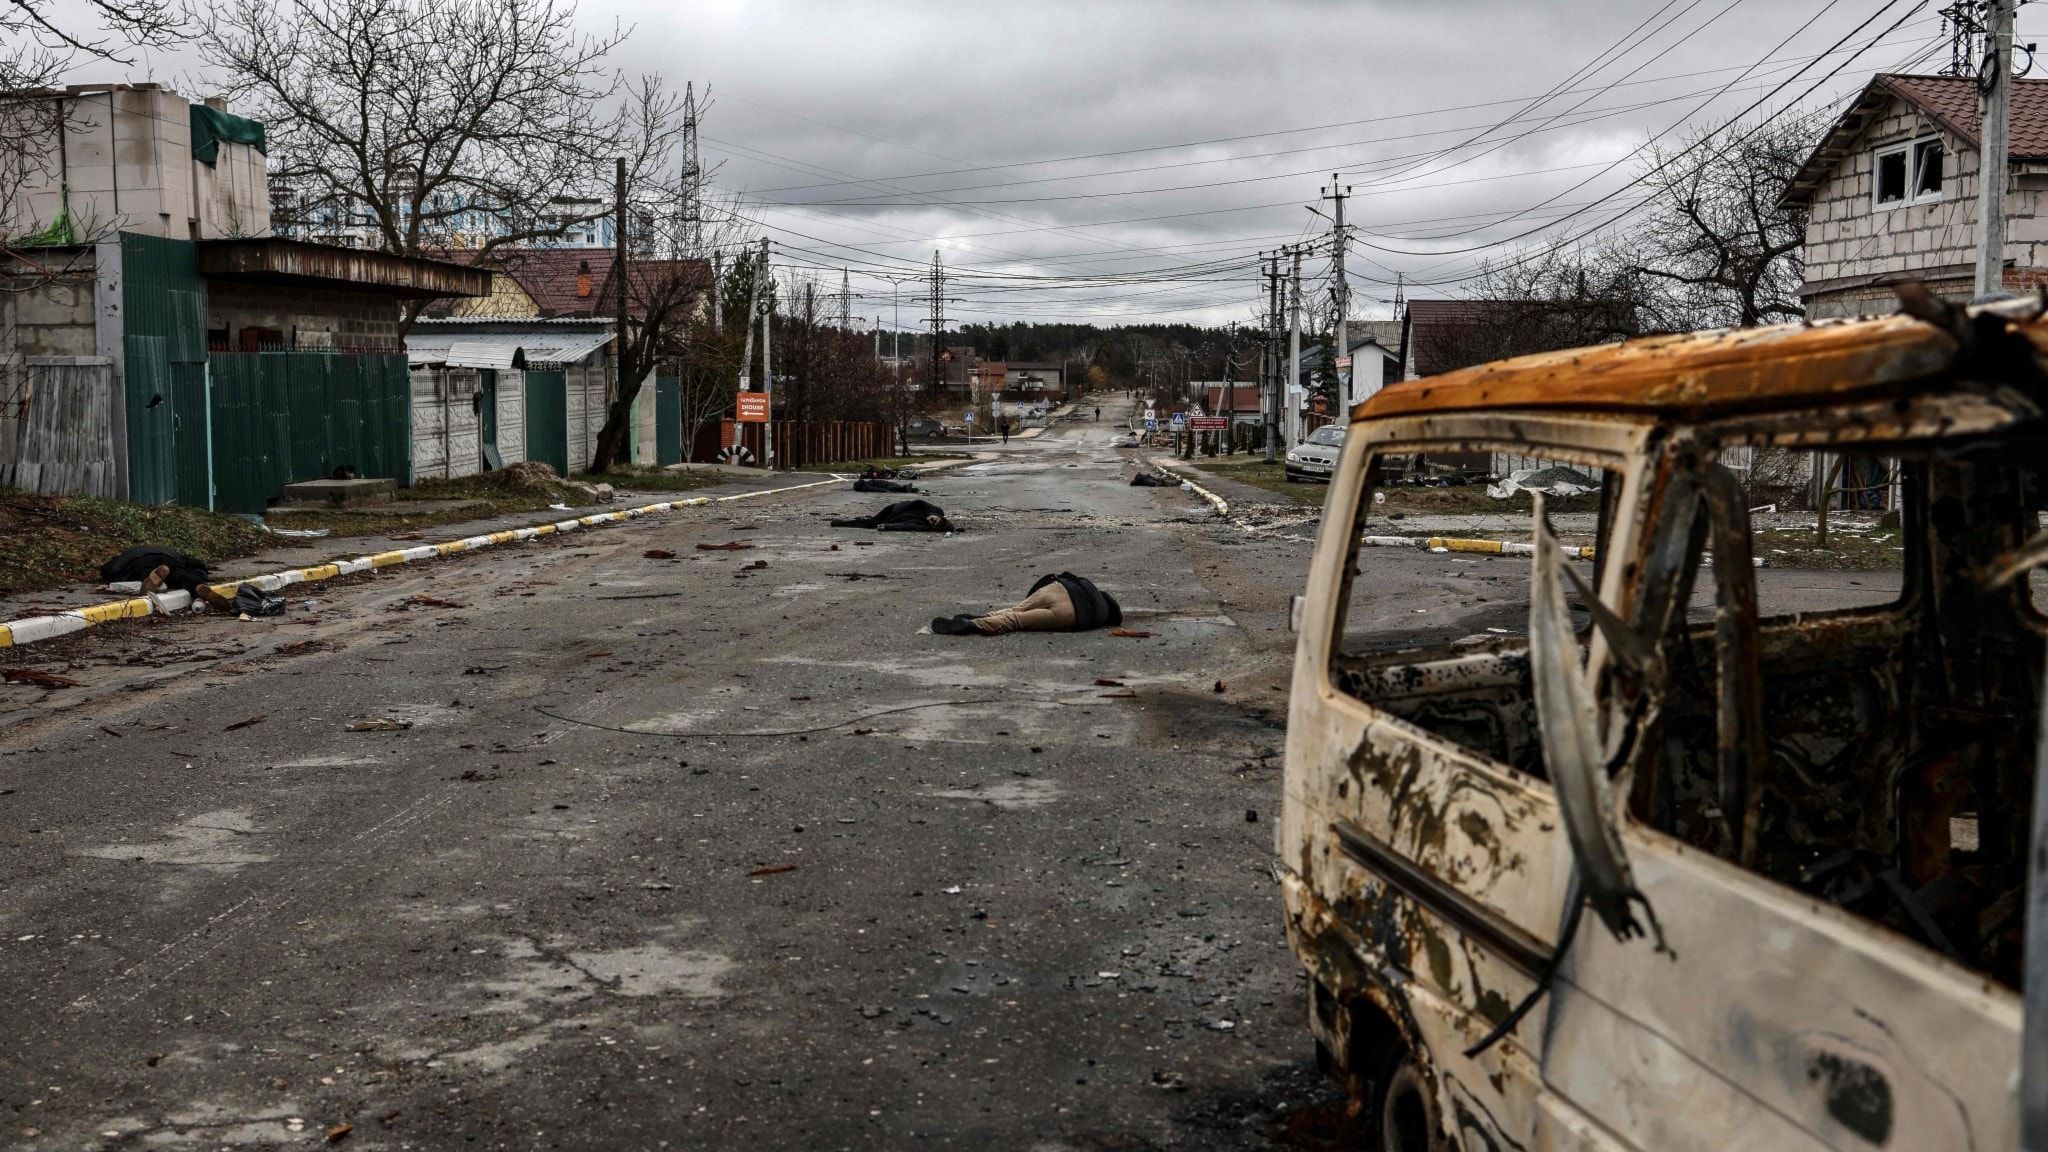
(34, 628)
(1221, 505)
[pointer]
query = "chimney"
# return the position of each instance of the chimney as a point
(583, 280)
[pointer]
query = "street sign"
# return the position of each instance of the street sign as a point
(1208, 423)
(1345, 361)
(1151, 423)
(1180, 419)
(752, 408)
(970, 417)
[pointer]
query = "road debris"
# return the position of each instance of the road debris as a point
(772, 869)
(251, 602)
(658, 554)
(432, 601)
(249, 723)
(378, 724)
(1131, 633)
(38, 679)
(339, 1132)
(728, 546)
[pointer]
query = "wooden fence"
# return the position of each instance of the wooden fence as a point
(799, 443)
(57, 426)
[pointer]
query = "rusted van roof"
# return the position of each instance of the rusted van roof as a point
(1693, 375)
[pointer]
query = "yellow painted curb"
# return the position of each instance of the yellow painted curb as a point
(32, 629)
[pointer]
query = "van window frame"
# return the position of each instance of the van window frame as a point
(1612, 463)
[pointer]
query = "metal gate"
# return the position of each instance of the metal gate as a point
(163, 303)
(280, 417)
(668, 420)
(547, 419)
(487, 421)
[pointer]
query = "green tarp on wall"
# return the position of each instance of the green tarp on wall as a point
(211, 126)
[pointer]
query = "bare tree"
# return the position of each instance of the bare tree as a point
(1715, 234)
(437, 126)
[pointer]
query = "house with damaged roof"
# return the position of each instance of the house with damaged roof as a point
(1891, 195)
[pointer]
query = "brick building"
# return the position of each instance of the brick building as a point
(1891, 193)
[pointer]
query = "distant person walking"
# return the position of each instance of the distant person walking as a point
(1003, 426)
(1098, 413)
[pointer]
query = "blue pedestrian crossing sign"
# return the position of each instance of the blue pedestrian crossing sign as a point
(1180, 419)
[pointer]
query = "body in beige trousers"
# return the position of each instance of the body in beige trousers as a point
(1049, 609)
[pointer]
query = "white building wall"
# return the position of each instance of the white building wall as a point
(643, 423)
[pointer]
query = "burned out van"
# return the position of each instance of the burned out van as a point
(1690, 859)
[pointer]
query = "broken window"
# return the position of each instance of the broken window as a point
(1435, 625)
(1910, 172)
(1891, 765)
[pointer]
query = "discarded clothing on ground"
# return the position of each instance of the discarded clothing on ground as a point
(186, 572)
(1153, 480)
(903, 516)
(252, 601)
(878, 485)
(1556, 480)
(1062, 602)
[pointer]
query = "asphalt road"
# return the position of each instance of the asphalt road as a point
(675, 853)
(689, 852)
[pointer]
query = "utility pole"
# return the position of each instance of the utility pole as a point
(1340, 287)
(619, 276)
(1294, 347)
(717, 283)
(845, 301)
(1272, 362)
(767, 360)
(739, 430)
(1994, 86)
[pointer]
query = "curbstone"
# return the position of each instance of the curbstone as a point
(15, 633)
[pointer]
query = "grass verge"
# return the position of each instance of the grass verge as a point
(50, 541)
(1259, 474)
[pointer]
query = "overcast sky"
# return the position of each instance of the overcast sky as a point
(864, 133)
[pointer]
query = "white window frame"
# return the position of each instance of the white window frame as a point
(1906, 148)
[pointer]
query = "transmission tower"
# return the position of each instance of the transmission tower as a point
(938, 320)
(692, 231)
(845, 301)
(1963, 24)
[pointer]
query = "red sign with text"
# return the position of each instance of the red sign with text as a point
(1208, 423)
(753, 408)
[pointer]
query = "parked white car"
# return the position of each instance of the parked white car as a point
(1316, 457)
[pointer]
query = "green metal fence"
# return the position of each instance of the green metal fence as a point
(668, 420)
(547, 418)
(163, 303)
(281, 417)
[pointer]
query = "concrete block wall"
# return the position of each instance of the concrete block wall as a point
(511, 417)
(1848, 235)
(444, 423)
(48, 317)
(126, 158)
(587, 387)
(643, 423)
(314, 317)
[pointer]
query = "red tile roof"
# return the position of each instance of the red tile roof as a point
(578, 281)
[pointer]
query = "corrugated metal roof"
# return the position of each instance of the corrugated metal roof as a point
(529, 348)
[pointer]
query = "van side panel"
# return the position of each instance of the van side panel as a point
(1776, 1021)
